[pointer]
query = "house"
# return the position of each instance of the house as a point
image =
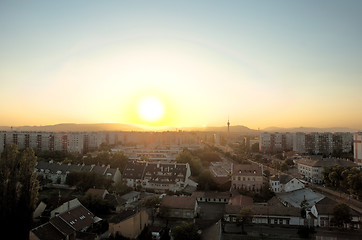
(133, 173)
(128, 223)
(323, 213)
(212, 197)
(247, 177)
(131, 197)
(97, 192)
(157, 176)
(57, 172)
(180, 206)
(296, 198)
(284, 183)
(312, 169)
(116, 201)
(273, 213)
(240, 200)
(66, 225)
(65, 207)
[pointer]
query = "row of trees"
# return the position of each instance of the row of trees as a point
(344, 179)
(115, 160)
(197, 166)
(18, 191)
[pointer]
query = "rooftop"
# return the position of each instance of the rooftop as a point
(178, 202)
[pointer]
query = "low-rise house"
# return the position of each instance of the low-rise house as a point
(212, 197)
(323, 213)
(131, 197)
(68, 224)
(240, 200)
(247, 177)
(296, 198)
(65, 207)
(157, 176)
(312, 169)
(284, 183)
(97, 192)
(129, 223)
(266, 214)
(179, 207)
(57, 172)
(116, 201)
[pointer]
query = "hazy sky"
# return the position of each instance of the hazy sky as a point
(262, 63)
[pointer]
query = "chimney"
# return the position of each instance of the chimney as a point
(279, 175)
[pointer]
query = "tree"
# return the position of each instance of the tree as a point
(194, 162)
(152, 203)
(85, 180)
(341, 215)
(186, 230)
(96, 204)
(18, 191)
(244, 216)
(206, 181)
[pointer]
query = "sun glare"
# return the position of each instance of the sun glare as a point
(151, 109)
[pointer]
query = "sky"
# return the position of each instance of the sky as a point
(258, 63)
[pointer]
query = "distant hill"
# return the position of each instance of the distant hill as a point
(73, 127)
(233, 129)
(309, 129)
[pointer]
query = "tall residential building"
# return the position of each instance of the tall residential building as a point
(357, 142)
(299, 142)
(276, 142)
(322, 143)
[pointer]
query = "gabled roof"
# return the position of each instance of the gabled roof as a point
(98, 192)
(134, 170)
(178, 202)
(48, 231)
(265, 210)
(78, 218)
(296, 197)
(165, 172)
(211, 195)
(101, 170)
(62, 226)
(246, 170)
(326, 206)
(241, 200)
(283, 179)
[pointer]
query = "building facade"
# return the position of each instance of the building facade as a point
(357, 143)
(247, 177)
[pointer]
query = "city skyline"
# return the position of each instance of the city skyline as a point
(281, 63)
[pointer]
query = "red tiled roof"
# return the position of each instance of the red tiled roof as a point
(78, 218)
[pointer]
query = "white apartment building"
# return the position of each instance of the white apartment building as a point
(357, 143)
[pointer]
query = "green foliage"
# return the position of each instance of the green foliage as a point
(116, 160)
(18, 191)
(96, 204)
(341, 215)
(85, 180)
(152, 202)
(254, 148)
(120, 188)
(194, 162)
(345, 179)
(289, 162)
(186, 230)
(206, 181)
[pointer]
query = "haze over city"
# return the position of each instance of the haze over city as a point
(181, 64)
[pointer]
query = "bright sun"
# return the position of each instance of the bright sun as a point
(151, 109)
